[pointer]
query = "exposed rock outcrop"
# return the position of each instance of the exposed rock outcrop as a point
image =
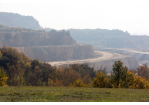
(59, 53)
(26, 39)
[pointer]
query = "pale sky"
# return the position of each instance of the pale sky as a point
(85, 14)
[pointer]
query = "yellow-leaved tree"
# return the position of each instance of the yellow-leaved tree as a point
(130, 79)
(141, 83)
(78, 83)
(3, 78)
(101, 80)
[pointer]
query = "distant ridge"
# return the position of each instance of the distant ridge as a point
(109, 38)
(17, 20)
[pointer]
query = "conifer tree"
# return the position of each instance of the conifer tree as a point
(120, 73)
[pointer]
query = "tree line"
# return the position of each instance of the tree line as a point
(4, 28)
(17, 69)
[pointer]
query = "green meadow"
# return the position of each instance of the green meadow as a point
(72, 94)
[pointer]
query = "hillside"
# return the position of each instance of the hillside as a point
(17, 20)
(109, 38)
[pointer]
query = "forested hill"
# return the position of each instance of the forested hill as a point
(109, 38)
(17, 20)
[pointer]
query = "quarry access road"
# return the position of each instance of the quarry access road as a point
(130, 50)
(134, 51)
(105, 56)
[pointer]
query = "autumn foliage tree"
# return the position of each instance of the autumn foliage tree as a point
(3, 78)
(101, 80)
(77, 83)
(141, 83)
(19, 70)
(143, 71)
(130, 80)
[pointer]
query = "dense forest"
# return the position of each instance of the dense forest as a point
(17, 20)
(19, 70)
(109, 38)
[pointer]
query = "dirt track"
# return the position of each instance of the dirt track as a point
(106, 56)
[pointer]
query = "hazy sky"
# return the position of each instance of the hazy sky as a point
(81, 14)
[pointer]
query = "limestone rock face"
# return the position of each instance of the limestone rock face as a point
(26, 39)
(59, 53)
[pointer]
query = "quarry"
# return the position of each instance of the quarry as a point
(64, 47)
(59, 48)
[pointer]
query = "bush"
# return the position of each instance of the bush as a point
(141, 83)
(101, 80)
(78, 83)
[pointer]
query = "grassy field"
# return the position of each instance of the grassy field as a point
(72, 94)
